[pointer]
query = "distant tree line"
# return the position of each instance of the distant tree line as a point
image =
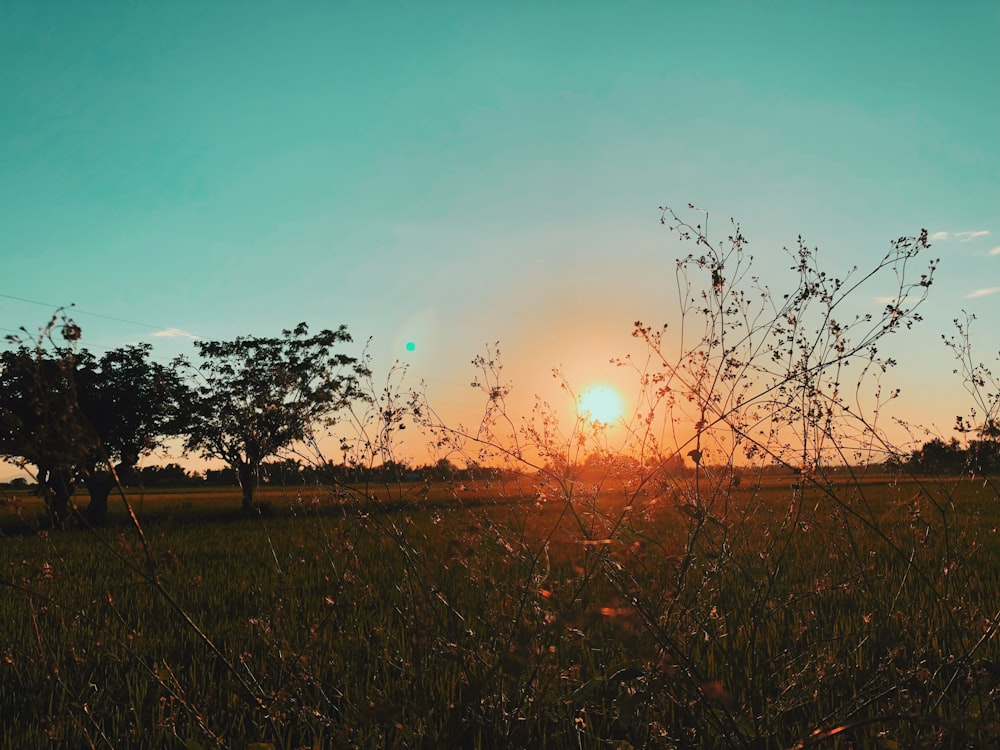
(290, 473)
(978, 456)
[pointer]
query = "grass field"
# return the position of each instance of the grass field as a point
(856, 615)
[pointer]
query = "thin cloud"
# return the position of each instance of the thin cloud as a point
(983, 292)
(969, 236)
(174, 333)
(938, 236)
(995, 251)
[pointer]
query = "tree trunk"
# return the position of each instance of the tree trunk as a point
(247, 473)
(57, 486)
(100, 483)
(99, 486)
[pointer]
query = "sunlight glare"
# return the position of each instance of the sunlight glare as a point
(600, 402)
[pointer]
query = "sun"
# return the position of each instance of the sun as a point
(600, 402)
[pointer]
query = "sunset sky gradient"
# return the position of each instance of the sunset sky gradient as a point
(452, 174)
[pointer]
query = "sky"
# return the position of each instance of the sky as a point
(456, 174)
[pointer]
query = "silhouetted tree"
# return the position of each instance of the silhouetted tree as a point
(131, 403)
(939, 457)
(441, 470)
(282, 473)
(254, 397)
(41, 423)
(221, 477)
(390, 471)
(74, 416)
(171, 475)
(984, 456)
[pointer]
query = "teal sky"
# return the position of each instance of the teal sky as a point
(453, 174)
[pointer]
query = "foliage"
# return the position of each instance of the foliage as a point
(978, 457)
(255, 396)
(939, 457)
(131, 403)
(983, 387)
(981, 425)
(77, 417)
(979, 451)
(171, 475)
(40, 418)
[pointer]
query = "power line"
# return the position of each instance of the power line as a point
(85, 312)
(21, 331)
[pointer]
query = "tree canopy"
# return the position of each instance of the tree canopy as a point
(254, 397)
(131, 403)
(41, 423)
(78, 417)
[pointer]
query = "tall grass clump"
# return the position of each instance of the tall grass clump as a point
(808, 590)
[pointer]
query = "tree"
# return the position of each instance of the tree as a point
(171, 475)
(130, 403)
(255, 397)
(74, 416)
(984, 456)
(939, 457)
(41, 423)
(442, 470)
(283, 473)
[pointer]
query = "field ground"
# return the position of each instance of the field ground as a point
(482, 616)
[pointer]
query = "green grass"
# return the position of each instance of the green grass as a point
(472, 617)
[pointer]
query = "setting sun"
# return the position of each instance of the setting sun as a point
(600, 402)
